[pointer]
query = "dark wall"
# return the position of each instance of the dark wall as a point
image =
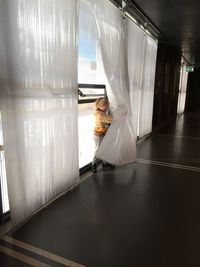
(166, 85)
(193, 92)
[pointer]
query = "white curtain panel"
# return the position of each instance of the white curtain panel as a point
(38, 58)
(135, 55)
(147, 88)
(118, 146)
(182, 89)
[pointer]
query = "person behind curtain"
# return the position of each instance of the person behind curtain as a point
(102, 122)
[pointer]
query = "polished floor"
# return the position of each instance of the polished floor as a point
(145, 214)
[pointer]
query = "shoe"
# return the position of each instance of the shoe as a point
(94, 168)
(106, 166)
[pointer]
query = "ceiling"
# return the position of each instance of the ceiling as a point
(178, 22)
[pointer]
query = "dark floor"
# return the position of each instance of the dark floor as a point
(142, 215)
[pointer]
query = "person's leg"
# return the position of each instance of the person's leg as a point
(97, 141)
(106, 165)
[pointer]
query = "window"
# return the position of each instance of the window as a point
(3, 181)
(90, 67)
(91, 78)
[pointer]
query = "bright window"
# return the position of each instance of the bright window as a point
(3, 181)
(90, 72)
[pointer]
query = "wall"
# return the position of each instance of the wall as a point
(166, 85)
(193, 92)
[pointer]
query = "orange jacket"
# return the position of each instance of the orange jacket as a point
(102, 121)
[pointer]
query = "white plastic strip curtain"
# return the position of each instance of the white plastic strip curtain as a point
(118, 146)
(38, 100)
(135, 55)
(182, 89)
(147, 88)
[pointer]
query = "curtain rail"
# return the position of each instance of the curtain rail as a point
(133, 11)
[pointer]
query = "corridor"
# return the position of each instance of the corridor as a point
(144, 214)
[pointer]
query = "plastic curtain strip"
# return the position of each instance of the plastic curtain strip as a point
(182, 89)
(118, 146)
(147, 87)
(38, 58)
(135, 55)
